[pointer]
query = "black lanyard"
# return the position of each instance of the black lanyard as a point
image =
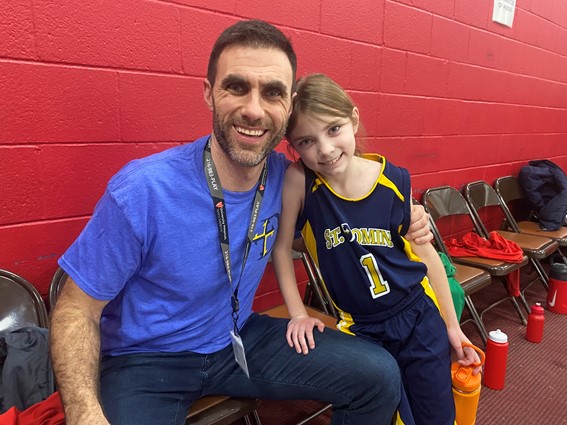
(217, 196)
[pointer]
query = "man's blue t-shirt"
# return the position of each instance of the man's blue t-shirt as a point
(152, 248)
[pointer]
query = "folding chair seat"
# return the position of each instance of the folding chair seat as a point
(210, 410)
(472, 279)
(223, 410)
(483, 199)
(446, 202)
(519, 212)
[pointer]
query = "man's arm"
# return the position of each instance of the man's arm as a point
(419, 231)
(75, 353)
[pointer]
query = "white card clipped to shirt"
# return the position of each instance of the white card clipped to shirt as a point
(239, 354)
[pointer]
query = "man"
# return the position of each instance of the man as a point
(149, 290)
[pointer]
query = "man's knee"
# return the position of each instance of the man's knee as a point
(369, 365)
(379, 372)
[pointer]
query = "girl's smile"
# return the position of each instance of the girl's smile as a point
(326, 144)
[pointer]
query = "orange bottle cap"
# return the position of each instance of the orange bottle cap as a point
(463, 378)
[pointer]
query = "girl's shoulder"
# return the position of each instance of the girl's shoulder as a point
(387, 167)
(295, 174)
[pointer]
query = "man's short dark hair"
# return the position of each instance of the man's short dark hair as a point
(253, 33)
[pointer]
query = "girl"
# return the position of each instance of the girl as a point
(353, 211)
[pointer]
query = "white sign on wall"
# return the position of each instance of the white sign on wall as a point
(503, 12)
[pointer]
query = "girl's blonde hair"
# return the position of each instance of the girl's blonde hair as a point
(319, 95)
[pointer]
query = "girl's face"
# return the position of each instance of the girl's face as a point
(325, 143)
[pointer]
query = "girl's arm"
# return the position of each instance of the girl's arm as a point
(440, 283)
(300, 328)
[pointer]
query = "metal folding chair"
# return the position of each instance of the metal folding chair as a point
(447, 202)
(519, 213)
(484, 201)
(20, 303)
(21, 306)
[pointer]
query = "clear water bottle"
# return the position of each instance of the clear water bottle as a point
(466, 389)
(496, 359)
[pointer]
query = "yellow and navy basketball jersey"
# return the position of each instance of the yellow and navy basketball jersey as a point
(366, 264)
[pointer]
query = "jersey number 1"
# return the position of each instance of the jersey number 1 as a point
(378, 286)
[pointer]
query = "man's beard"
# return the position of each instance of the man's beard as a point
(242, 156)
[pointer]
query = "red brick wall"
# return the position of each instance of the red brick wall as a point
(87, 85)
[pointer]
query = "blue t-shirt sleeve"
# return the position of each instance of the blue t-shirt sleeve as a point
(106, 253)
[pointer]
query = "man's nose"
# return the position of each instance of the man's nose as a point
(253, 108)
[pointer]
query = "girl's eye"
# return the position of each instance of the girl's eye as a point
(304, 143)
(334, 129)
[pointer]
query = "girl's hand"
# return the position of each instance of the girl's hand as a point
(465, 356)
(419, 231)
(300, 332)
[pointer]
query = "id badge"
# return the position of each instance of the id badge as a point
(239, 354)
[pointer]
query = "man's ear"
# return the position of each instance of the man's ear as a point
(208, 94)
(355, 118)
(291, 104)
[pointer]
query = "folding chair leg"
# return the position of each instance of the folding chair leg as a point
(523, 300)
(541, 276)
(476, 320)
(519, 310)
(541, 272)
(314, 415)
(515, 304)
(256, 417)
(255, 420)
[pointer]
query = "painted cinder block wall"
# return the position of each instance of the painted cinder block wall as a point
(87, 86)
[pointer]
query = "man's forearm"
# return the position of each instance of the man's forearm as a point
(75, 352)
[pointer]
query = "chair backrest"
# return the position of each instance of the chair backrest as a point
(446, 201)
(480, 195)
(316, 294)
(513, 196)
(57, 282)
(20, 303)
(437, 239)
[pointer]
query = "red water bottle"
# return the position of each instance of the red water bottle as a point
(534, 330)
(496, 359)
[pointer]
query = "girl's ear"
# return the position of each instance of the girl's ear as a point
(355, 118)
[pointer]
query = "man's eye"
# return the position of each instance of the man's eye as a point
(235, 87)
(273, 93)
